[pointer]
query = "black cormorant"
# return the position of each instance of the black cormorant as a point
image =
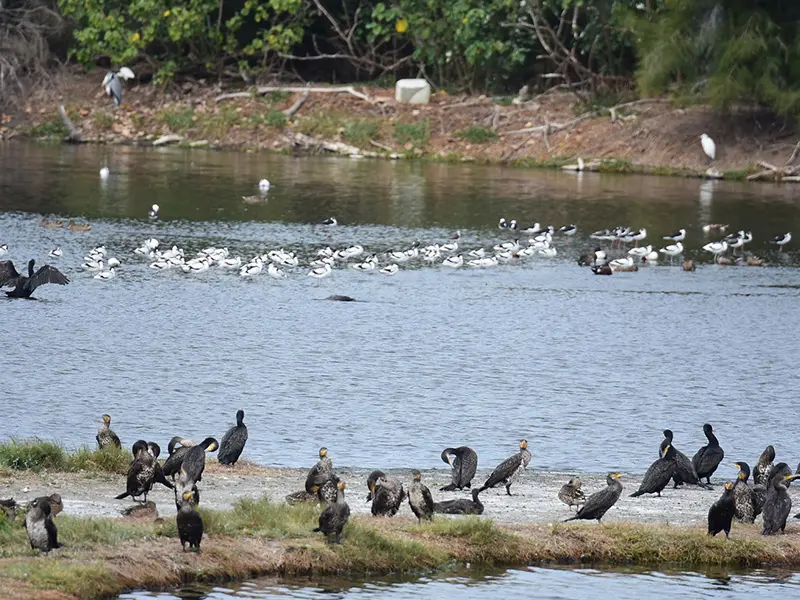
(41, 528)
(508, 471)
(190, 524)
(334, 517)
(25, 286)
(230, 449)
(571, 493)
(744, 498)
(419, 498)
(761, 472)
(659, 473)
(320, 472)
(143, 471)
(105, 435)
(194, 461)
(778, 504)
(707, 459)
(461, 506)
(464, 465)
(172, 466)
(597, 505)
(721, 512)
(387, 496)
(684, 470)
(371, 479)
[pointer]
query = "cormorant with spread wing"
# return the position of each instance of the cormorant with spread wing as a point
(25, 286)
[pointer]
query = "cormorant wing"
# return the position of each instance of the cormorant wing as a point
(47, 274)
(428, 498)
(504, 470)
(8, 274)
(596, 501)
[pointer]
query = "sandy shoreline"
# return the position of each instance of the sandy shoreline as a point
(534, 501)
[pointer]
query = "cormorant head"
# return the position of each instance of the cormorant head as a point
(668, 434)
(154, 449)
(239, 417)
(744, 470)
(707, 428)
(323, 452)
(616, 475)
(575, 482)
(340, 485)
(770, 452)
(523, 444)
(210, 444)
(107, 419)
(139, 446)
(416, 475)
(728, 485)
(446, 455)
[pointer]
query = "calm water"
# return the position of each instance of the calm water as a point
(539, 583)
(589, 369)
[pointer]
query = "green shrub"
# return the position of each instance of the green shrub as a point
(477, 134)
(417, 134)
(34, 455)
(361, 131)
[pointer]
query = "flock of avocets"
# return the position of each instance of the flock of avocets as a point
(448, 255)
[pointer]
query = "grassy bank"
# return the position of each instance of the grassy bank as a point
(38, 455)
(104, 557)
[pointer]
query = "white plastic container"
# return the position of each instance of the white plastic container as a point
(412, 91)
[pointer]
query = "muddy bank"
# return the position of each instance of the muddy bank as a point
(534, 500)
(549, 130)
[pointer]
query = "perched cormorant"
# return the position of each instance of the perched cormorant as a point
(761, 472)
(172, 466)
(387, 496)
(744, 498)
(778, 504)
(659, 473)
(420, 499)
(684, 470)
(194, 461)
(25, 286)
(707, 459)
(320, 472)
(571, 493)
(190, 524)
(105, 435)
(334, 517)
(597, 505)
(464, 466)
(371, 479)
(508, 471)
(230, 449)
(143, 471)
(460, 506)
(721, 512)
(42, 532)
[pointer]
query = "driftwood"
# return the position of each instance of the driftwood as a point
(168, 139)
(308, 143)
(290, 112)
(770, 171)
(381, 146)
(293, 89)
(74, 135)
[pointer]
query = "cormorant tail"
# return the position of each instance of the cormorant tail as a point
(636, 493)
(121, 496)
(316, 529)
(450, 487)
(570, 519)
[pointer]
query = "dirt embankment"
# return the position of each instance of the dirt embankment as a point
(548, 130)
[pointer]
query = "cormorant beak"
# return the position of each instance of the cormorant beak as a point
(617, 475)
(372, 486)
(315, 488)
(187, 495)
(212, 447)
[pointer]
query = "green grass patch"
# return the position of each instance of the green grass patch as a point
(272, 118)
(102, 119)
(364, 548)
(320, 123)
(477, 134)
(38, 455)
(737, 175)
(360, 131)
(615, 165)
(178, 119)
(487, 543)
(417, 134)
(108, 460)
(53, 128)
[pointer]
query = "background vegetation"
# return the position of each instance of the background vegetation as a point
(721, 52)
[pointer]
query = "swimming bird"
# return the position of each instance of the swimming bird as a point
(190, 523)
(720, 515)
(672, 250)
(3, 249)
(106, 275)
(105, 435)
(597, 505)
(569, 230)
(744, 498)
(104, 173)
(389, 269)
(73, 226)
(419, 498)
(781, 240)
(688, 265)
(708, 147)
(684, 470)
(549, 252)
(25, 286)
(172, 466)
(386, 493)
(677, 236)
(453, 262)
(618, 263)
(483, 263)
(252, 268)
(153, 212)
(707, 458)
(778, 504)
(230, 449)
(330, 221)
(40, 527)
(54, 253)
(320, 473)
(320, 272)
(275, 272)
(658, 475)
(509, 471)
(264, 185)
(460, 506)
(602, 270)
(194, 461)
(113, 86)
(571, 493)
(464, 464)
(502, 224)
(334, 517)
(761, 472)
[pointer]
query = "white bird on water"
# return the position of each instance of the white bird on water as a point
(264, 185)
(153, 214)
(3, 249)
(390, 269)
(672, 250)
(782, 240)
(709, 147)
(55, 252)
(104, 173)
(106, 275)
(320, 272)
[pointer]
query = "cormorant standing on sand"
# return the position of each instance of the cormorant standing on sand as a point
(420, 499)
(105, 435)
(721, 512)
(744, 498)
(230, 449)
(190, 524)
(320, 473)
(659, 473)
(707, 459)
(387, 495)
(761, 472)
(464, 466)
(778, 504)
(684, 470)
(597, 505)
(509, 471)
